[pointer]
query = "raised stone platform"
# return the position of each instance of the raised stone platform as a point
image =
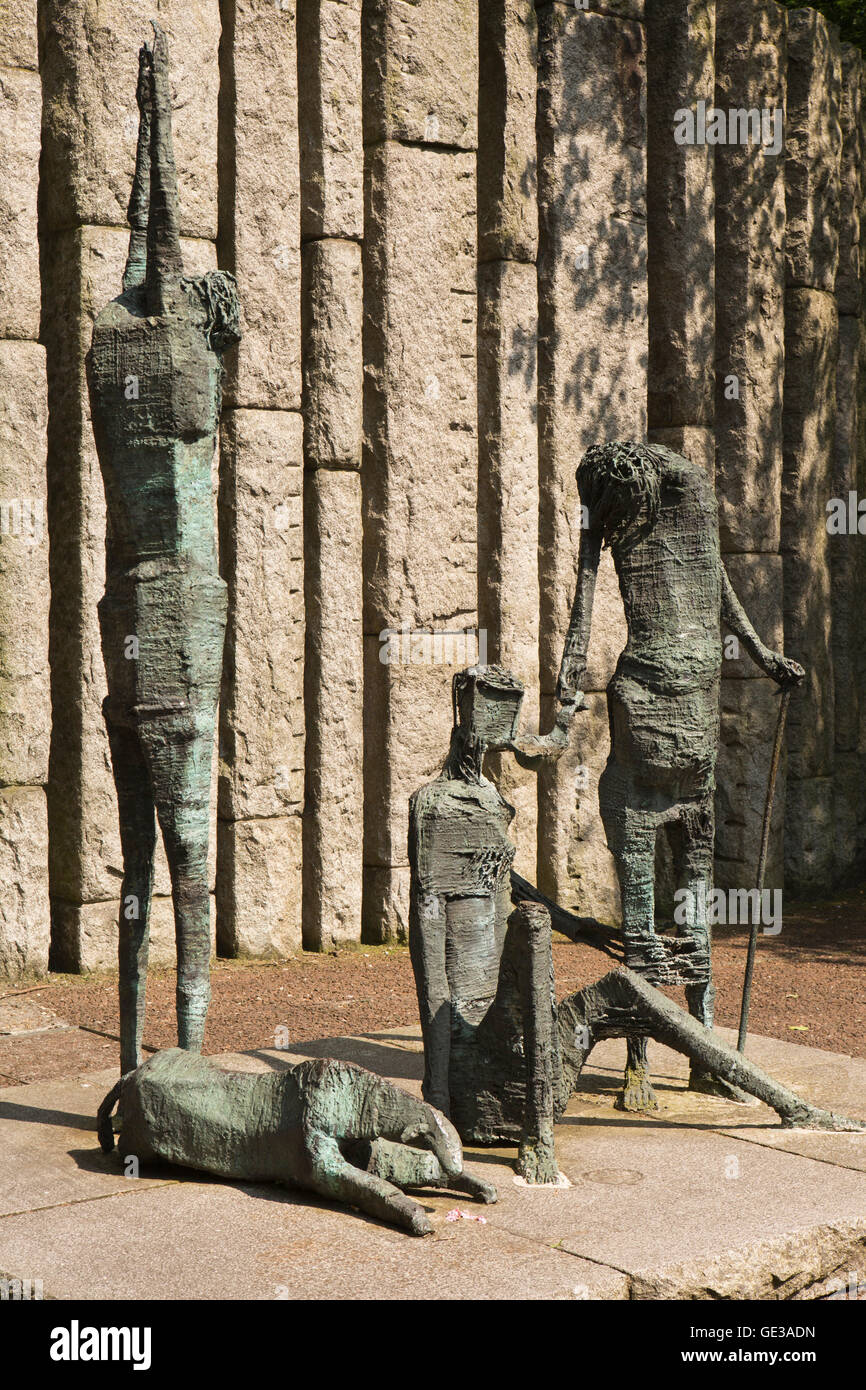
(704, 1200)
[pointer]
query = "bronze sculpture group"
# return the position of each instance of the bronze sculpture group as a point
(501, 1057)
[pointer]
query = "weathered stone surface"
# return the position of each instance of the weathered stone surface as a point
(507, 201)
(849, 812)
(620, 9)
(508, 511)
(692, 441)
(848, 276)
(333, 309)
(258, 897)
(334, 698)
(750, 279)
(260, 204)
(18, 35)
(82, 270)
(386, 903)
(20, 114)
(575, 866)
(811, 349)
(813, 142)
(24, 911)
(90, 127)
(680, 217)
(85, 935)
(330, 119)
(809, 835)
(420, 388)
(845, 548)
(421, 72)
(261, 557)
(25, 711)
(749, 713)
(592, 276)
(757, 582)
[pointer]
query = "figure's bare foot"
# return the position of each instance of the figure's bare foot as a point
(637, 1093)
(705, 1084)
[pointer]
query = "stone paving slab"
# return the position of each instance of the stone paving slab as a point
(704, 1199)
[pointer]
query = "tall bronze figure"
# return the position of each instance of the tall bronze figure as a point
(155, 379)
(657, 512)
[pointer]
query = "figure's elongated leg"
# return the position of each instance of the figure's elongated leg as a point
(180, 756)
(333, 1177)
(634, 857)
(536, 1161)
(138, 842)
(427, 929)
(697, 831)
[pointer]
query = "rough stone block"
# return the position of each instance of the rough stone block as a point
(507, 192)
(20, 115)
(333, 310)
(18, 35)
(592, 352)
(82, 272)
(89, 67)
(508, 511)
(692, 441)
(845, 548)
(575, 866)
(809, 836)
(420, 403)
(260, 202)
(680, 217)
(757, 582)
(813, 147)
(25, 706)
(848, 277)
(849, 812)
(330, 119)
(750, 280)
(334, 699)
(386, 903)
(258, 897)
(261, 559)
(811, 350)
(24, 911)
(749, 713)
(421, 72)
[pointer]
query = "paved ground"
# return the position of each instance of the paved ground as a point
(706, 1200)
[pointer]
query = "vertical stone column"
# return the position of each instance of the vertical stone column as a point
(332, 229)
(420, 412)
(749, 368)
(811, 349)
(89, 66)
(261, 777)
(508, 599)
(847, 568)
(24, 680)
(592, 383)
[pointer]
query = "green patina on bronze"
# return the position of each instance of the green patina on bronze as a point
(155, 375)
(328, 1127)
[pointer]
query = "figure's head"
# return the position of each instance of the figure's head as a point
(620, 485)
(487, 702)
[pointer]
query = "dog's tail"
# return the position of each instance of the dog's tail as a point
(104, 1128)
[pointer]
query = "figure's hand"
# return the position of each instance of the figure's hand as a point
(533, 751)
(144, 90)
(783, 670)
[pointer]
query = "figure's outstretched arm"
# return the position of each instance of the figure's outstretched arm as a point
(532, 751)
(164, 259)
(781, 668)
(139, 200)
